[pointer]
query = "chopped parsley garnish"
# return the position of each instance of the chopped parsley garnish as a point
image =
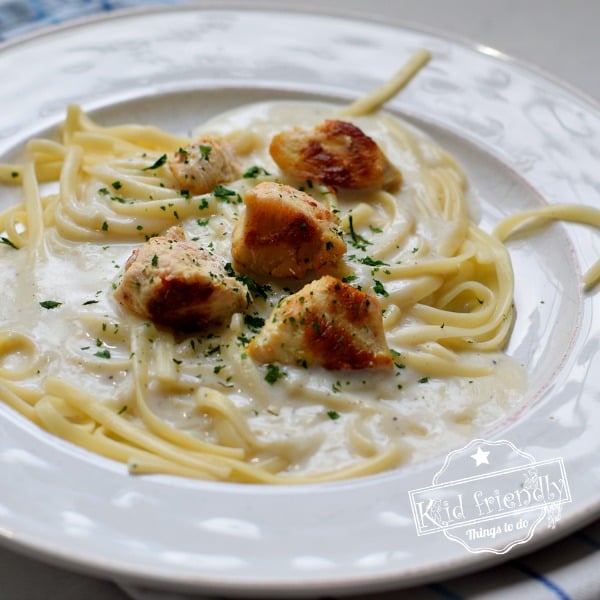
(256, 289)
(205, 151)
(424, 380)
(103, 354)
(156, 164)
(254, 323)
(379, 289)
(358, 241)
(90, 302)
(273, 374)
(254, 172)
(396, 356)
(117, 185)
(105, 226)
(224, 194)
(155, 260)
(50, 304)
(333, 415)
(213, 350)
(243, 340)
(7, 242)
(370, 262)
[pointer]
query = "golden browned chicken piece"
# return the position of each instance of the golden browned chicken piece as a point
(199, 167)
(173, 282)
(285, 233)
(328, 323)
(336, 153)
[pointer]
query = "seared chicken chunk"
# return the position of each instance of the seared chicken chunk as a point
(285, 233)
(175, 283)
(328, 323)
(199, 167)
(336, 153)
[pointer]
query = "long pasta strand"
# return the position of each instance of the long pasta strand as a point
(445, 285)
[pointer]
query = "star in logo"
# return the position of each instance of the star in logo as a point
(480, 457)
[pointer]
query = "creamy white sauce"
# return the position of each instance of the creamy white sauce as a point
(426, 416)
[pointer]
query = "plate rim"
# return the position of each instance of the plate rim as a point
(272, 5)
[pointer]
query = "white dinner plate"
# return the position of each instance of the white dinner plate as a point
(523, 139)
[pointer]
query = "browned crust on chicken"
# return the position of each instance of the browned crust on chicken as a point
(335, 153)
(175, 283)
(285, 233)
(204, 164)
(328, 323)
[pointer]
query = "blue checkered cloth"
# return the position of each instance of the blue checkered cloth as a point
(18, 17)
(566, 570)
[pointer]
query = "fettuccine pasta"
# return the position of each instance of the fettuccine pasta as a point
(196, 404)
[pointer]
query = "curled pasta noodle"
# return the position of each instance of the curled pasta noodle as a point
(17, 399)
(154, 424)
(10, 174)
(361, 443)
(212, 401)
(33, 207)
(592, 276)
(133, 434)
(438, 366)
(575, 213)
(148, 137)
(375, 99)
(23, 349)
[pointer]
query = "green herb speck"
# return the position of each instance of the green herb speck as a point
(156, 164)
(379, 289)
(273, 374)
(7, 242)
(50, 304)
(254, 172)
